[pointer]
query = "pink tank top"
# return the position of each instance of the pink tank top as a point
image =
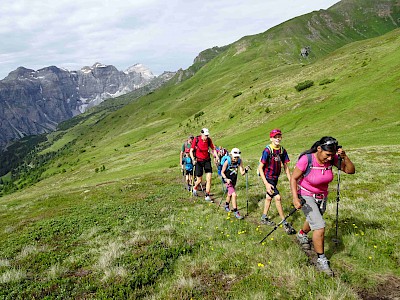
(317, 181)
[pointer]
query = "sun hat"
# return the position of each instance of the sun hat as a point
(205, 131)
(274, 132)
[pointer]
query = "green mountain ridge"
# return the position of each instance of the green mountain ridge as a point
(108, 217)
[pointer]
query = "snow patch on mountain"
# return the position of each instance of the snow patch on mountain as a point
(141, 69)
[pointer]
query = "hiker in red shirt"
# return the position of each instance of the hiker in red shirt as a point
(202, 160)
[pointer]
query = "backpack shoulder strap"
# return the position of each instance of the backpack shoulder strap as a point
(282, 154)
(309, 164)
(270, 154)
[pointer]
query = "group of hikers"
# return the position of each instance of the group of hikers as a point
(308, 181)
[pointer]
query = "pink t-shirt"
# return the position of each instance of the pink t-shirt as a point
(317, 181)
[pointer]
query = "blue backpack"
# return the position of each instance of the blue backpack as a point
(223, 159)
(230, 173)
(187, 161)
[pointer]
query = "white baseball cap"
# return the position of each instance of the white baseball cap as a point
(235, 152)
(205, 131)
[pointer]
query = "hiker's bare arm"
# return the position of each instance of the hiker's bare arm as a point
(268, 186)
(297, 173)
(347, 165)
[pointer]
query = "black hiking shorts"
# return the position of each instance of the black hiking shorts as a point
(203, 167)
(274, 183)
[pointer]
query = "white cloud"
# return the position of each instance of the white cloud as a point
(164, 35)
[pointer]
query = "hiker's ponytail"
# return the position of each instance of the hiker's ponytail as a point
(313, 149)
(327, 143)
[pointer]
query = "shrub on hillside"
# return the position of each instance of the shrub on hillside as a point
(198, 115)
(236, 94)
(304, 85)
(326, 81)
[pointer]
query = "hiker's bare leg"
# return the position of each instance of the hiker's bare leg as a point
(306, 227)
(278, 204)
(208, 184)
(318, 240)
(234, 203)
(267, 204)
(228, 198)
(198, 182)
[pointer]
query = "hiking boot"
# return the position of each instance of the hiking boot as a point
(266, 221)
(208, 198)
(238, 216)
(304, 242)
(227, 208)
(288, 228)
(323, 266)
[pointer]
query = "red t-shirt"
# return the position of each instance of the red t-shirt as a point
(201, 148)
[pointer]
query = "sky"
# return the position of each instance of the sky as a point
(164, 35)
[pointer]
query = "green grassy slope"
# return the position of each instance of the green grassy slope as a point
(110, 218)
(354, 108)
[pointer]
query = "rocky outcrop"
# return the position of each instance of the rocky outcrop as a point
(34, 102)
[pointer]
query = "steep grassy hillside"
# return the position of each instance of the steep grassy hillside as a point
(110, 219)
(353, 107)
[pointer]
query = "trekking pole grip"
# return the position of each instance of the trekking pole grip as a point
(294, 209)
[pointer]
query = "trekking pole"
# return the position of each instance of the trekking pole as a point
(247, 190)
(184, 179)
(191, 192)
(223, 193)
(336, 240)
(277, 225)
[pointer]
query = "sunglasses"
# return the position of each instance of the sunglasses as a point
(330, 142)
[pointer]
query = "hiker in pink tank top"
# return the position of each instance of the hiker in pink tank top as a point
(309, 182)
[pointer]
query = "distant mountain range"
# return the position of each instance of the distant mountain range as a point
(34, 102)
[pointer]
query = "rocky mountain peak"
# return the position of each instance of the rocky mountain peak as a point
(141, 69)
(20, 73)
(33, 102)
